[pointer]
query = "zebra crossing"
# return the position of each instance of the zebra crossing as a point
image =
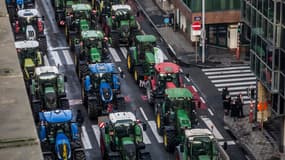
(238, 79)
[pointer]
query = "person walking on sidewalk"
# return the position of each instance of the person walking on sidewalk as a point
(227, 104)
(234, 109)
(240, 106)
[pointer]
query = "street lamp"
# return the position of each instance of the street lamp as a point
(203, 33)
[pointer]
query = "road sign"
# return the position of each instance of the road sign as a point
(197, 18)
(166, 20)
(196, 26)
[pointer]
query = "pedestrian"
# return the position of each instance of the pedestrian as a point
(240, 106)
(227, 103)
(225, 92)
(234, 109)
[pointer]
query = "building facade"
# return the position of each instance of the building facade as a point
(221, 19)
(264, 29)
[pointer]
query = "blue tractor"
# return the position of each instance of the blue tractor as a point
(59, 136)
(101, 91)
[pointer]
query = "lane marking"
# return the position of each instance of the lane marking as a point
(85, 139)
(46, 8)
(143, 113)
(228, 72)
(226, 68)
(152, 125)
(119, 69)
(96, 131)
(231, 142)
(46, 62)
(233, 79)
(114, 54)
(57, 48)
(231, 76)
(56, 58)
(235, 84)
(73, 102)
(212, 127)
(194, 88)
(210, 111)
(202, 99)
(67, 57)
(188, 80)
(236, 88)
(124, 51)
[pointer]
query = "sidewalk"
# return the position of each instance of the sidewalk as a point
(258, 143)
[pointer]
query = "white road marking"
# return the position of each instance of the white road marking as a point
(212, 127)
(58, 48)
(114, 54)
(67, 57)
(46, 8)
(226, 68)
(227, 72)
(144, 115)
(152, 125)
(46, 62)
(85, 139)
(188, 80)
(73, 102)
(119, 69)
(210, 111)
(233, 79)
(235, 88)
(124, 51)
(231, 142)
(235, 84)
(202, 99)
(194, 88)
(231, 76)
(146, 139)
(56, 58)
(96, 131)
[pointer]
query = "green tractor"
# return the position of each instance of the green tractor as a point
(121, 137)
(142, 57)
(198, 144)
(47, 90)
(80, 18)
(173, 115)
(92, 50)
(167, 75)
(30, 57)
(121, 25)
(103, 7)
(59, 7)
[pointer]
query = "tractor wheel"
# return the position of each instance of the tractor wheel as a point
(92, 110)
(136, 76)
(83, 71)
(83, 95)
(48, 157)
(36, 108)
(129, 64)
(79, 155)
(159, 123)
(169, 140)
(64, 104)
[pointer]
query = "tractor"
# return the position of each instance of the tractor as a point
(173, 115)
(29, 56)
(59, 7)
(121, 25)
(103, 7)
(198, 144)
(47, 90)
(142, 57)
(60, 136)
(80, 18)
(13, 6)
(167, 75)
(92, 50)
(29, 26)
(121, 137)
(101, 89)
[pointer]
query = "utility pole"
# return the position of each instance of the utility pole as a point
(203, 34)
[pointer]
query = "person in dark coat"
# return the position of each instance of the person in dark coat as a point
(240, 106)
(234, 109)
(227, 103)
(225, 92)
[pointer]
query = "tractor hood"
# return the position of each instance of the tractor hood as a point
(102, 68)
(62, 147)
(28, 62)
(183, 118)
(149, 57)
(84, 26)
(204, 157)
(106, 92)
(57, 116)
(95, 55)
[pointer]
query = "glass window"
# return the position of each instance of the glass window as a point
(282, 44)
(264, 28)
(257, 65)
(265, 7)
(253, 22)
(275, 81)
(270, 10)
(212, 35)
(196, 6)
(252, 62)
(282, 81)
(283, 14)
(270, 32)
(278, 18)
(282, 59)
(223, 4)
(259, 5)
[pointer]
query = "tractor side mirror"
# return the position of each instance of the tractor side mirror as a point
(181, 147)
(144, 126)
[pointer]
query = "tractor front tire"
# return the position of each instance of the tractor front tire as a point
(169, 140)
(83, 71)
(79, 155)
(92, 110)
(159, 123)
(130, 64)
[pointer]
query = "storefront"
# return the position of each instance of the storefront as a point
(217, 34)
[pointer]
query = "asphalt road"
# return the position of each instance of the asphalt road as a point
(59, 54)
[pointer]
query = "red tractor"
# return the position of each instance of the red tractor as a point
(167, 75)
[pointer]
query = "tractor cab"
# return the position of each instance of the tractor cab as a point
(56, 129)
(199, 144)
(79, 17)
(29, 56)
(92, 45)
(121, 15)
(145, 46)
(29, 23)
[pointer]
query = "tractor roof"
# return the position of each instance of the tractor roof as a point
(26, 44)
(81, 7)
(146, 38)
(46, 69)
(176, 93)
(191, 133)
(121, 116)
(92, 34)
(102, 68)
(56, 116)
(27, 13)
(167, 67)
(121, 7)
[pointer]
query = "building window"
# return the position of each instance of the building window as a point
(283, 14)
(283, 36)
(217, 34)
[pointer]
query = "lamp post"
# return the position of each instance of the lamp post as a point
(203, 34)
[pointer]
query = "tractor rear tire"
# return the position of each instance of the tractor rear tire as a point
(169, 140)
(136, 76)
(159, 123)
(36, 108)
(79, 155)
(92, 110)
(83, 71)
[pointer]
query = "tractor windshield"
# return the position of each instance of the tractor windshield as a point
(82, 14)
(201, 146)
(54, 128)
(93, 42)
(164, 78)
(28, 53)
